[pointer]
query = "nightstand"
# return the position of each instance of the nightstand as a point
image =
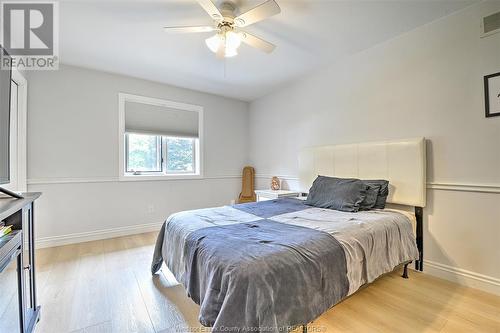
(263, 195)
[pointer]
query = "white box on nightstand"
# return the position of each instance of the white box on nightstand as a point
(263, 195)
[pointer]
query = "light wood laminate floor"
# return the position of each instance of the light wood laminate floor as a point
(106, 286)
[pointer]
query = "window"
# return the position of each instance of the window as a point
(180, 154)
(143, 153)
(155, 154)
(159, 138)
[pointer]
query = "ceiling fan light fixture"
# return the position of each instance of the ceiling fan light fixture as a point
(233, 40)
(229, 40)
(214, 42)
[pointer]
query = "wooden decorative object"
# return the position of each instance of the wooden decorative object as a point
(275, 183)
(247, 185)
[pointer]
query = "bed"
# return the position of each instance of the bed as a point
(274, 265)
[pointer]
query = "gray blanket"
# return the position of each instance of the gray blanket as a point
(263, 276)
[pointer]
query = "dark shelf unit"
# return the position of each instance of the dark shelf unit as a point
(19, 245)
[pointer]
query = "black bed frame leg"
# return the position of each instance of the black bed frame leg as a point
(304, 328)
(405, 271)
(419, 263)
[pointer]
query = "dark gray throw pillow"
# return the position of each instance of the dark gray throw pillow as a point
(382, 193)
(337, 193)
(370, 200)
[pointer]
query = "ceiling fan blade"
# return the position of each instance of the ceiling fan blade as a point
(257, 42)
(259, 13)
(211, 9)
(203, 28)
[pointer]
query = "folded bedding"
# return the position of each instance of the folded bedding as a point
(270, 265)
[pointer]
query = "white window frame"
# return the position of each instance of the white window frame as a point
(123, 175)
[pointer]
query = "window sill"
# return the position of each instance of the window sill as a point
(139, 178)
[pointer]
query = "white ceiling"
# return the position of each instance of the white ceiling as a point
(127, 38)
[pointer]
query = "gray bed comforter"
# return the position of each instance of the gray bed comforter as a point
(271, 265)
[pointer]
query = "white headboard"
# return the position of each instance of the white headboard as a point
(401, 162)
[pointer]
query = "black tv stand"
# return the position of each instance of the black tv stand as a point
(18, 248)
(10, 193)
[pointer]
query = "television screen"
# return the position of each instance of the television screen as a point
(5, 77)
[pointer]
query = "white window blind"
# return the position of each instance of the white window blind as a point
(159, 120)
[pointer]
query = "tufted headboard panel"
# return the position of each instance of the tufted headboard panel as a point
(401, 162)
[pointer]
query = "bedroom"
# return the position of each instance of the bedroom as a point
(353, 77)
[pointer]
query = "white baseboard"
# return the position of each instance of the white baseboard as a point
(59, 240)
(463, 277)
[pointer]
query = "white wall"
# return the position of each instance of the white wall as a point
(73, 156)
(428, 82)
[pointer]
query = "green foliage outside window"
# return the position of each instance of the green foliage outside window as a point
(180, 154)
(143, 153)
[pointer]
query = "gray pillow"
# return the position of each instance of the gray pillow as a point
(371, 197)
(337, 193)
(382, 193)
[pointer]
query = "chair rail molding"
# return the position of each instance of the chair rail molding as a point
(76, 180)
(465, 187)
(442, 186)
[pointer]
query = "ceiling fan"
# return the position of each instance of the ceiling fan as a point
(227, 26)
